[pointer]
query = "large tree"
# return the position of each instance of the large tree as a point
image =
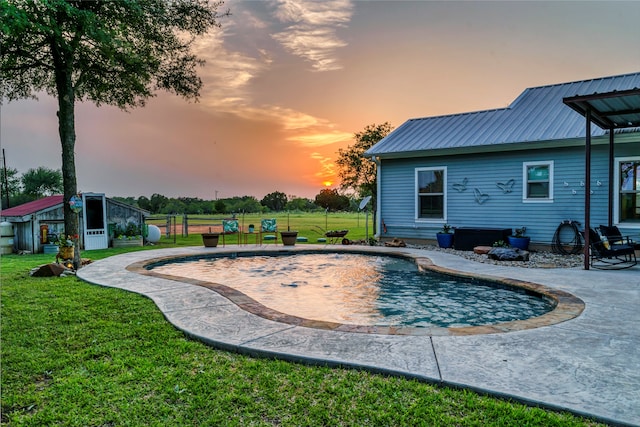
(356, 172)
(157, 203)
(329, 198)
(42, 182)
(275, 201)
(116, 52)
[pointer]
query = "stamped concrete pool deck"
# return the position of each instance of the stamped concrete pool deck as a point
(589, 365)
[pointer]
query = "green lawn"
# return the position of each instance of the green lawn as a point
(309, 225)
(75, 354)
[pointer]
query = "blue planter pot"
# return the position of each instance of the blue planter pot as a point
(445, 240)
(519, 242)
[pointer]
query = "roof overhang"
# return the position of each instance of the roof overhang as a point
(611, 110)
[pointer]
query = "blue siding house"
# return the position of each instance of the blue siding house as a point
(520, 166)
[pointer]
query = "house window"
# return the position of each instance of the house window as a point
(628, 189)
(538, 181)
(430, 193)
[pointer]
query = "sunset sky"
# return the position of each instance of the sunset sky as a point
(288, 83)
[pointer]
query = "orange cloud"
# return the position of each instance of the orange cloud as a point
(320, 139)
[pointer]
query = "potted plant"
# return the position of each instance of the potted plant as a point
(51, 246)
(288, 237)
(519, 240)
(251, 228)
(445, 237)
(128, 236)
(65, 247)
(210, 239)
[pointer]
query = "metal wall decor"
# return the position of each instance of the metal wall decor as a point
(598, 183)
(461, 186)
(506, 187)
(480, 196)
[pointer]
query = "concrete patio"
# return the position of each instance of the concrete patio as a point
(589, 365)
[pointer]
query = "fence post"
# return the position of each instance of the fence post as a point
(168, 227)
(185, 226)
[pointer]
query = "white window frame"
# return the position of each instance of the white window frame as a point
(416, 189)
(616, 191)
(525, 179)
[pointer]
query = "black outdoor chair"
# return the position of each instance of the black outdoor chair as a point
(610, 255)
(614, 235)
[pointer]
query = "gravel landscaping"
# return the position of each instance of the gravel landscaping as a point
(537, 259)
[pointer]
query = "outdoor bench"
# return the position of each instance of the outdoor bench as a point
(466, 238)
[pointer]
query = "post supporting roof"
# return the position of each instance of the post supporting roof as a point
(611, 110)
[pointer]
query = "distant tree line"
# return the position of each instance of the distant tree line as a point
(40, 182)
(277, 201)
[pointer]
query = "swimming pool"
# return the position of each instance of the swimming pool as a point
(361, 289)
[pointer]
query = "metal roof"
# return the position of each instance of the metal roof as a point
(537, 115)
(617, 109)
(33, 207)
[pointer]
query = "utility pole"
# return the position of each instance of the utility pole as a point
(6, 181)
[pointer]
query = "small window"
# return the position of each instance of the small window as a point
(538, 181)
(430, 193)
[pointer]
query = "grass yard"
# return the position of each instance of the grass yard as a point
(75, 354)
(309, 225)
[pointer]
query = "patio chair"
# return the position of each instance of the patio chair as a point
(614, 235)
(605, 255)
(268, 230)
(230, 226)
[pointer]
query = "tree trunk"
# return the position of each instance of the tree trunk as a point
(67, 131)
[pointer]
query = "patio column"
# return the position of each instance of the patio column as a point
(587, 188)
(611, 155)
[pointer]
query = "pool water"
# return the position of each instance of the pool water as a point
(362, 289)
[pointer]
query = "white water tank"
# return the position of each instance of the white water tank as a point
(6, 237)
(153, 233)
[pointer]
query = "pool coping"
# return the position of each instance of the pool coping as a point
(588, 365)
(566, 305)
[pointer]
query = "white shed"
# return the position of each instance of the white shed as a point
(34, 222)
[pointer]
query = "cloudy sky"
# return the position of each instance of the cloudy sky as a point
(288, 83)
